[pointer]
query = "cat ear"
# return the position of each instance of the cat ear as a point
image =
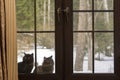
(51, 56)
(32, 54)
(44, 58)
(24, 53)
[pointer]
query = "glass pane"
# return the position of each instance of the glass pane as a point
(45, 15)
(104, 53)
(103, 4)
(25, 53)
(45, 53)
(103, 21)
(82, 55)
(82, 21)
(25, 15)
(82, 4)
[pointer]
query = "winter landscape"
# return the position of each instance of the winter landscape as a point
(103, 66)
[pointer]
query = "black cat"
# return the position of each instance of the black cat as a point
(46, 67)
(27, 64)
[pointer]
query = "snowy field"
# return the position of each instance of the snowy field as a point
(104, 66)
(100, 67)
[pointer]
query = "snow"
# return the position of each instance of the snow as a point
(104, 66)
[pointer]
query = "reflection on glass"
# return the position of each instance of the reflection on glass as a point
(25, 15)
(25, 53)
(104, 53)
(82, 55)
(45, 15)
(82, 21)
(103, 21)
(82, 4)
(45, 53)
(103, 4)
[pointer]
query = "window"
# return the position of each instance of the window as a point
(93, 33)
(78, 38)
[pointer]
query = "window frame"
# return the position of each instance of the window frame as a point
(62, 40)
(96, 76)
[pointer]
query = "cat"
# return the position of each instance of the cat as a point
(27, 64)
(46, 67)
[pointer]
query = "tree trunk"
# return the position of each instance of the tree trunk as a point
(106, 15)
(98, 8)
(89, 52)
(107, 24)
(81, 38)
(89, 37)
(44, 15)
(49, 25)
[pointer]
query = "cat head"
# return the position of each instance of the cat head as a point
(28, 58)
(48, 61)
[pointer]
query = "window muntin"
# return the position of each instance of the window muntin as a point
(36, 32)
(100, 24)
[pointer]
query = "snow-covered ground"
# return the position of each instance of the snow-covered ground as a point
(104, 66)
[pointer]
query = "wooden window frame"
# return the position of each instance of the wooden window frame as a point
(64, 66)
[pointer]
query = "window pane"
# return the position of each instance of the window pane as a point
(45, 15)
(25, 47)
(103, 4)
(82, 4)
(103, 21)
(104, 53)
(25, 15)
(82, 55)
(82, 21)
(45, 53)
